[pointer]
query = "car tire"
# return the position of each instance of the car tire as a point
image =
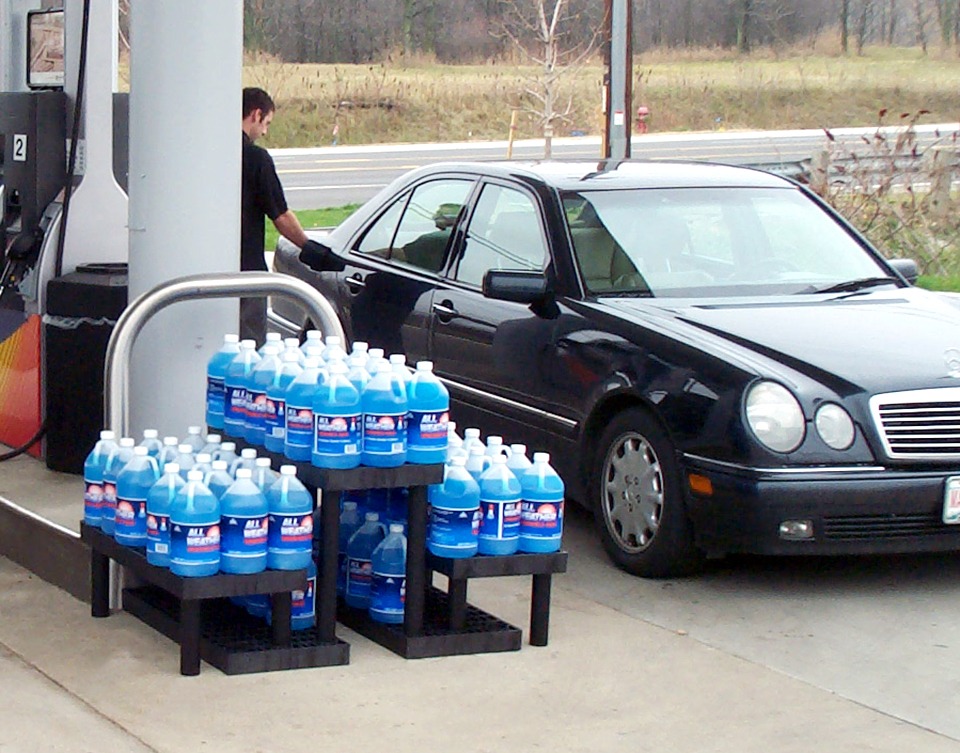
(638, 504)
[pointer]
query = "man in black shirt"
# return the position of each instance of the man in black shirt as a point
(262, 197)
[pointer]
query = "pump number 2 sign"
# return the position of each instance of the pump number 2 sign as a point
(19, 147)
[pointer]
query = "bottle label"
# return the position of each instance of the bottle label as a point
(336, 435)
(500, 519)
(427, 430)
(299, 427)
(454, 529)
(303, 603)
(384, 433)
(541, 520)
(290, 533)
(388, 592)
(359, 577)
(216, 395)
(235, 408)
(158, 533)
(243, 536)
(256, 414)
(194, 545)
(275, 418)
(131, 516)
(92, 500)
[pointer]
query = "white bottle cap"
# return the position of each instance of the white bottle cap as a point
(331, 340)
(248, 452)
(274, 337)
(140, 450)
(375, 352)
(171, 468)
(107, 434)
(194, 430)
(194, 475)
(396, 528)
(359, 346)
(398, 358)
(424, 365)
(170, 442)
(263, 462)
(518, 449)
(150, 433)
(541, 457)
(248, 344)
(231, 338)
(244, 473)
(471, 433)
(288, 470)
(314, 334)
(494, 441)
(213, 438)
(227, 446)
(219, 465)
(203, 457)
(348, 505)
(185, 448)
(291, 342)
(127, 441)
(371, 516)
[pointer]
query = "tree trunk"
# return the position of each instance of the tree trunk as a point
(744, 12)
(845, 26)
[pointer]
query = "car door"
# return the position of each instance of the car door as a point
(493, 354)
(394, 265)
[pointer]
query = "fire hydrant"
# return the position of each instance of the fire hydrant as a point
(643, 112)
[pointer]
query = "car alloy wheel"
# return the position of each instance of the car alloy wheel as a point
(638, 503)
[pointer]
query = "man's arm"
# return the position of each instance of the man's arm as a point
(289, 227)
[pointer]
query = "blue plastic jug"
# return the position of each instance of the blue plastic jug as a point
(93, 477)
(350, 522)
(303, 607)
(117, 459)
(333, 350)
(357, 372)
(384, 404)
(541, 511)
(194, 438)
(290, 505)
(360, 561)
(168, 453)
(218, 480)
(195, 530)
(477, 461)
(454, 513)
(237, 382)
(275, 425)
(336, 420)
(263, 475)
(388, 590)
(499, 510)
(151, 440)
(312, 340)
(159, 501)
(298, 437)
(203, 463)
(258, 407)
(216, 376)
(185, 459)
(429, 406)
(212, 445)
(247, 459)
(244, 522)
(517, 460)
(133, 484)
(272, 340)
(227, 452)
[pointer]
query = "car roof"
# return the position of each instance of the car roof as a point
(580, 175)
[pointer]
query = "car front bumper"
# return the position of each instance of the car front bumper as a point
(871, 510)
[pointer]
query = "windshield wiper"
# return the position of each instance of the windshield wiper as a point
(850, 286)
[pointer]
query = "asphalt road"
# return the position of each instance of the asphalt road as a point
(333, 176)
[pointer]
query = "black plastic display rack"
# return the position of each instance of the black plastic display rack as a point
(197, 613)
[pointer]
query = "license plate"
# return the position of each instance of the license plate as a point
(951, 501)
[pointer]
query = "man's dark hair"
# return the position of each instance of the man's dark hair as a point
(256, 99)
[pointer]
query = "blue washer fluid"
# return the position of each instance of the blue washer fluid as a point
(237, 382)
(93, 477)
(499, 510)
(258, 407)
(263, 475)
(388, 591)
(133, 484)
(290, 505)
(541, 509)
(298, 438)
(303, 603)
(336, 420)
(168, 453)
(159, 500)
(218, 480)
(360, 561)
(429, 416)
(116, 461)
(195, 530)
(384, 404)
(454, 512)
(151, 440)
(350, 522)
(244, 521)
(216, 375)
(275, 424)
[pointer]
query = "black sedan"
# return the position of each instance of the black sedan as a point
(716, 361)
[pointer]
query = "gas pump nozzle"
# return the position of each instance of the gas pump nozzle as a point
(21, 255)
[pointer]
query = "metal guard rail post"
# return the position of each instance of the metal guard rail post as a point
(116, 377)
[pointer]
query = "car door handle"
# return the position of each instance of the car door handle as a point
(355, 283)
(445, 311)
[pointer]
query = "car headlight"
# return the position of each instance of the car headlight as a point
(834, 426)
(775, 416)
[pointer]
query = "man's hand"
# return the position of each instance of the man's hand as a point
(320, 258)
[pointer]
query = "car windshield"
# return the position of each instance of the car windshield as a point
(684, 242)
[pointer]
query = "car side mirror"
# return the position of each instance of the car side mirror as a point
(907, 268)
(515, 285)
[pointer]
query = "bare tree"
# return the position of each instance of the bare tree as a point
(921, 18)
(845, 26)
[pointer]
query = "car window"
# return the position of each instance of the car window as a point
(416, 229)
(504, 233)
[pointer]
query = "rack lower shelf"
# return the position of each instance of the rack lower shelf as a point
(480, 633)
(231, 639)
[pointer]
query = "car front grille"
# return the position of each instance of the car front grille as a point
(857, 527)
(919, 425)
